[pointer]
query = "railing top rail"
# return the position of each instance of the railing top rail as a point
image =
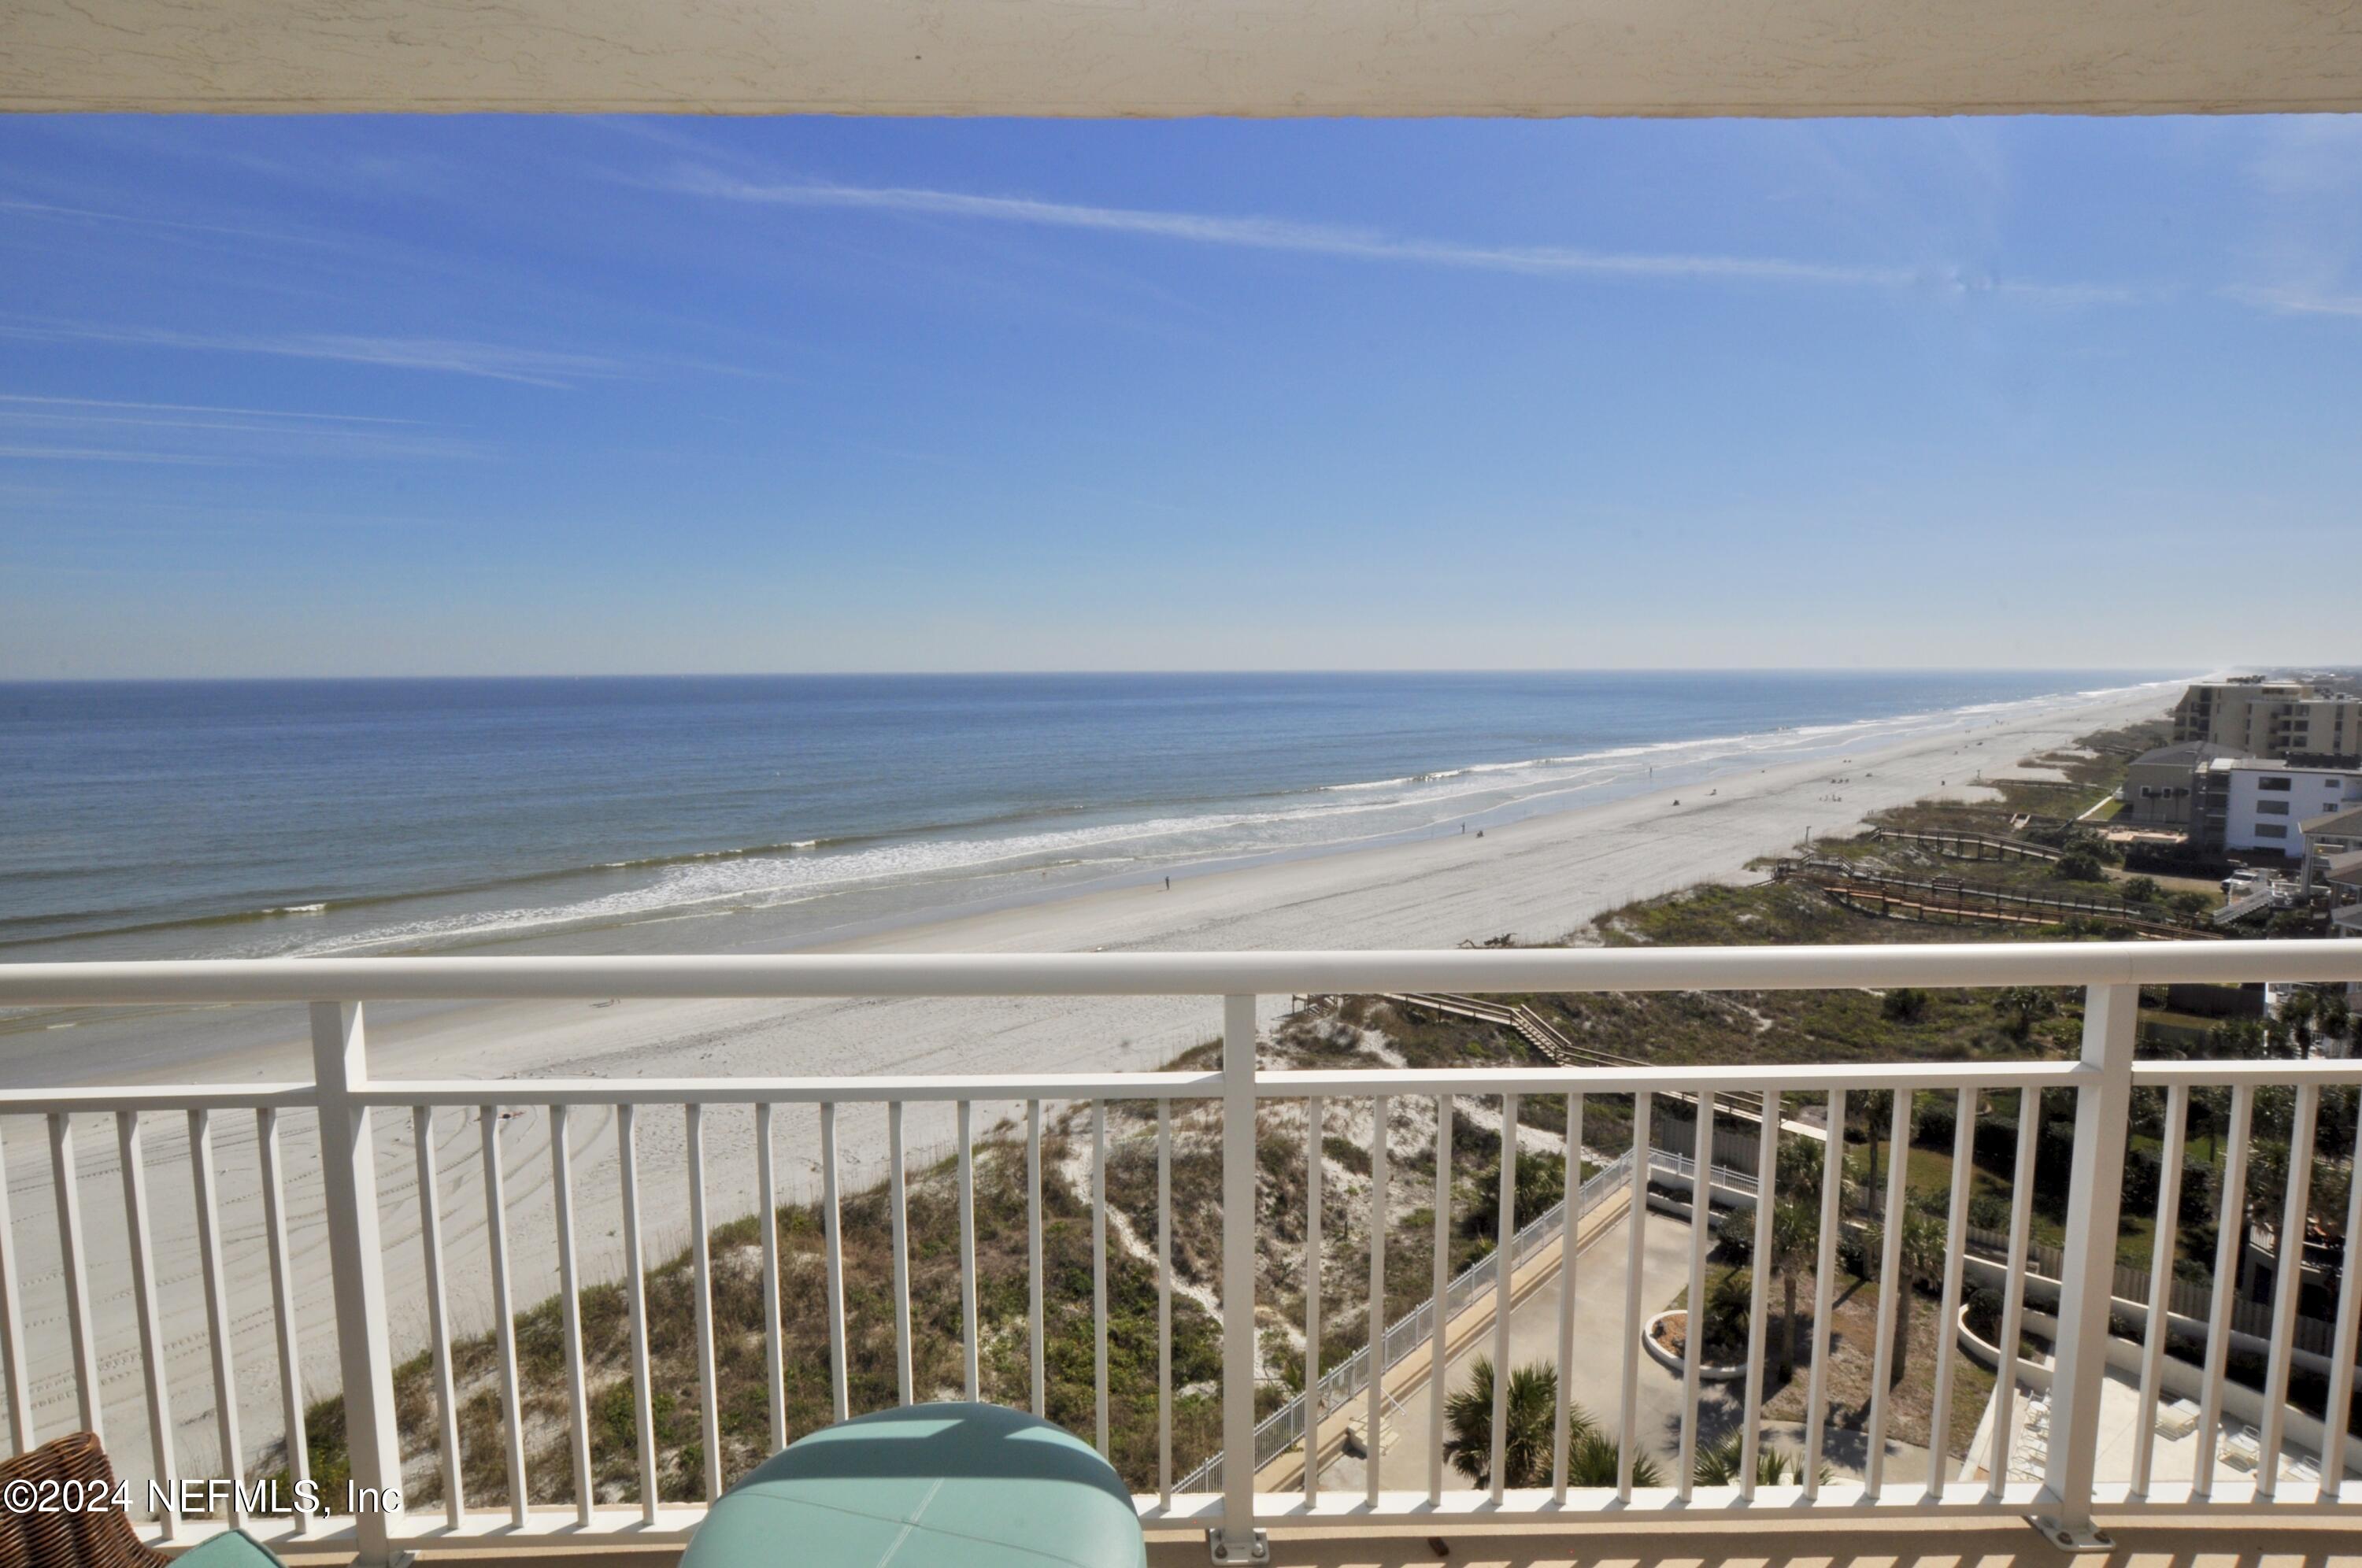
(154, 1097)
(1174, 974)
(1283, 1085)
(850, 1090)
(1349, 1082)
(2267, 1070)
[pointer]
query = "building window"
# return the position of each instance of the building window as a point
(2280, 785)
(2271, 830)
(2272, 807)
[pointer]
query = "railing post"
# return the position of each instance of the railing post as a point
(2088, 1270)
(1236, 1539)
(357, 1266)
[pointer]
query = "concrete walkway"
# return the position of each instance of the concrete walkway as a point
(1595, 1380)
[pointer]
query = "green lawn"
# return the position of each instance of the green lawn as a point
(1930, 1176)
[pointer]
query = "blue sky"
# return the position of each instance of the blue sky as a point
(289, 396)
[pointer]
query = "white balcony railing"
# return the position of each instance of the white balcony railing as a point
(349, 1105)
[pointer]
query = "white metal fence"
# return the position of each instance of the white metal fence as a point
(351, 1107)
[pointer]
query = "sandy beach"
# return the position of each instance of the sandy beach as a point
(1538, 878)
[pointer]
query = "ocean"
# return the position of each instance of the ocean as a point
(206, 818)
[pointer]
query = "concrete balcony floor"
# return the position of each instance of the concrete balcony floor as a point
(1806, 1544)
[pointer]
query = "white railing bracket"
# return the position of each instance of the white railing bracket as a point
(1225, 1550)
(2080, 1539)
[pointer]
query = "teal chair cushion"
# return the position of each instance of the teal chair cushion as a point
(231, 1549)
(926, 1486)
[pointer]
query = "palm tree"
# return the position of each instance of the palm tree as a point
(1525, 1446)
(1795, 1230)
(1591, 1461)
(1920, 1260)
(1795, 1239)
(1718, 1464)
(1591, 1456)
(1877, 1109)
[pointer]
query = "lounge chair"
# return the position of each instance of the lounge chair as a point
(937, 1485)
(102, 1538)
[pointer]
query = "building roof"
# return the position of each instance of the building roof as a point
(2184, 754)
(2346, 823)
(2270, 765)
(2345, 869)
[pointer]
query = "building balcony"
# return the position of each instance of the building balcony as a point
(325, 1254)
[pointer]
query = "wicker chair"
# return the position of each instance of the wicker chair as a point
(59, 1539)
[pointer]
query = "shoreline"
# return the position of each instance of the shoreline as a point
(782, 896)
(1541, 877)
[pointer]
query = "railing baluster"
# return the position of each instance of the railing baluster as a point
(1098, 1270)
(2342, 1352)
(1636, 1216)
(72, 1272)
(833, 1242)
(439, 1316)
(1035, 1351)
(968, 1331)
(2226, 1269)
(217, 1314)
(20, 1387)
(701, 1266)
(767, 1216)
(635, 1287)
(1236, 1539)
(1314, 1123)
(2013, 1312)
(356, 1266)
(1767, 1154)
(1164, 1296)
(2288, 1277)
(1939, 1419)
(143, 1294)
(898, 1189)
(1891, 1284)
(2095, 1190)
(1563, 1416)
(1825, 1268)
(282, 1304)
(496, 1236)
(2159, 1332)
(1694, 1338)
(12, 1328)
(1438, 1306)
(1374, 1416)
(1505, 1234)
(569, 1306)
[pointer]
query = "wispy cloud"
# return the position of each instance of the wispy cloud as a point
(103, 454)
(32, 400)
(208, 434)
(1372, 245)
(2295, 301)
(494, 362)
(52, 211)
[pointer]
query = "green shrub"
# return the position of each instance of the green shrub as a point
(2079, 864)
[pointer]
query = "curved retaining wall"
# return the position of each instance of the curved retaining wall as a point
(2178, 1377)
